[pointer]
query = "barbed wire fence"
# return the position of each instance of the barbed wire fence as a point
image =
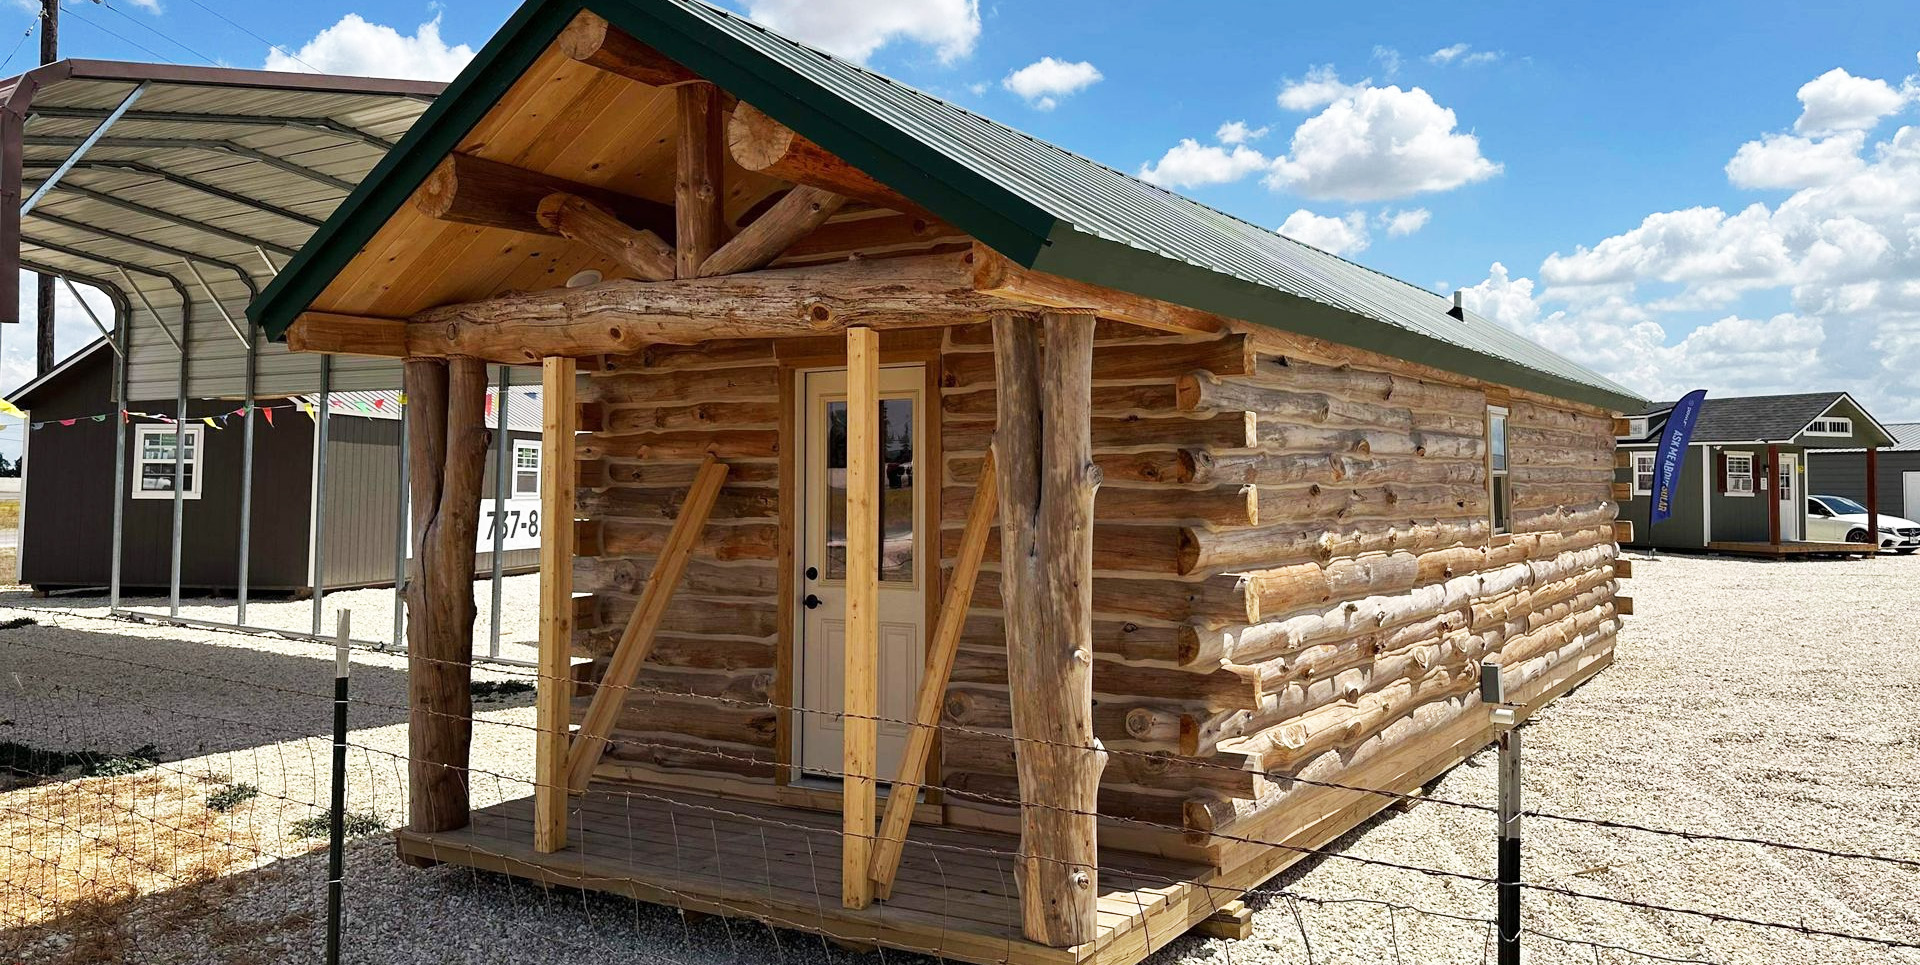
(168, 801)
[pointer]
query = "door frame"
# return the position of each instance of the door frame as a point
(919, 346)
(1794, 512)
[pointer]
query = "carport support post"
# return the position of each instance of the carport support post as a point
(400, 533)
(180, 456)
(120, 495)
(500, 471)
(319, 537)
(246, 479)
(1873, 496)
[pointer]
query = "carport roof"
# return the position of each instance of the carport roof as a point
(182, 191)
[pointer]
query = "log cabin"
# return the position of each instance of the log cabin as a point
(978, 551)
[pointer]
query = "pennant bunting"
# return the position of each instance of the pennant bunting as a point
(268, 412)
(9, 408)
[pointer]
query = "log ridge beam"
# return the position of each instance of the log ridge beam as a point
(470, 189)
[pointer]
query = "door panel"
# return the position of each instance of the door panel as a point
(822, 562)
(1793, 507)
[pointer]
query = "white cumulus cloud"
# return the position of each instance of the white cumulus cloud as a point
(361, 49)
(1786, 161)
(1462, 54)
(1321, 86)
(1379, 143)
(1402, 223)
(1839, 101)
(856, 29)
(1343, 235)
(1237, 132)
(1190, 164)
(1043, 82)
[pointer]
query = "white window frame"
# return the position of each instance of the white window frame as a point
(1652, 460)
(1726, 484)
(1494, 510)
(513, 466)
(197, 461)
(1817, 426)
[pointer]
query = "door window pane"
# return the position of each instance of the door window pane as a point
(897, 489)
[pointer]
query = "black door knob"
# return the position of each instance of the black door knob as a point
(812, 602)
(813, 572)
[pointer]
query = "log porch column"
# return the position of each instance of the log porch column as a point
(859, 727)
(1043, 456)
(553, 703)
(1873, 495)
(447, 446)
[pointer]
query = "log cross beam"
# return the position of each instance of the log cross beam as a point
(1047, 478)
(933, 685)
(447, 441)
(636, 643)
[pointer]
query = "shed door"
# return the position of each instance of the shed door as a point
(905, 554)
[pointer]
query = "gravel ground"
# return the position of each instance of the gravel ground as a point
(1774, 700)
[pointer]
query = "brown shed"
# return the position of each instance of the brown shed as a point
(1118, 541)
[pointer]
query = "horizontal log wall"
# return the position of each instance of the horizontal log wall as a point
(703, 702)
(1294, 567)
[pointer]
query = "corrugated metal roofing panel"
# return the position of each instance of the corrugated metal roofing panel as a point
(88, 228)
(1099, 201)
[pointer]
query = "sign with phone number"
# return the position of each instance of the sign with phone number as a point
(517, 519)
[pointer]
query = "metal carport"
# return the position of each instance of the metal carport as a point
(180, 191)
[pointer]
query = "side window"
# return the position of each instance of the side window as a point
(1643, 463)
(526, 469)
(1739, 481)
(153, 457)
(1500, 490)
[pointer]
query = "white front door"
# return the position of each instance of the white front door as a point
(821, 566)
(1793, 506)
(1910, 495)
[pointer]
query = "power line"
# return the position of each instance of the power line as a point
(149, 51)
(270, 44)
(22, 42)
(156, 31)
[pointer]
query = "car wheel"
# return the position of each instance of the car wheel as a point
(1857, 536)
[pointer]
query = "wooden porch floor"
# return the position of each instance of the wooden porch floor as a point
(1793, 548)
(955, 897)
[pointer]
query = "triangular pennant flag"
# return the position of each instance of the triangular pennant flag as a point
(268, 412)
(403, 398)
(100, 418)
(68, 422)
(363, 407)
(310, 411)
(39, 426)
(10, 409)
(210, 423)
(380, 403)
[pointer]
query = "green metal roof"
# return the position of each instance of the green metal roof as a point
(1039, 205)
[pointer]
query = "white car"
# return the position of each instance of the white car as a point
(1837, 519)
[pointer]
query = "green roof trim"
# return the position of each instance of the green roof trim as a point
(1037, 204)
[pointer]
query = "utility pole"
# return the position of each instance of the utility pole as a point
(49, 52)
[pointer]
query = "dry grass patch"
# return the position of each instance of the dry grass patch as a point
(97, 842)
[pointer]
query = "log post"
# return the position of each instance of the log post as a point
(1873, 496)
(860, 731)
(1771, 490)
(1047, 479)
(447, 444)
(553, 703)
(699, 222)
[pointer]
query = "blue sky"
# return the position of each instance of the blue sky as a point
(1585, 171)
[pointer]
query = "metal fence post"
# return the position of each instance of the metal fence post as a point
(402, 537)
(1493, 693)
(244, 578)
(337, 820)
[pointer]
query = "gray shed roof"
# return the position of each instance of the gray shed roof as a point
(1759, 418)
(1036, 203)
(189, 196)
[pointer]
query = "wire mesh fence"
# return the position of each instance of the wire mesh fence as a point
(164, 797)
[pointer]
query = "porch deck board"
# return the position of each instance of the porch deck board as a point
(955, 896)
(1791, 548)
